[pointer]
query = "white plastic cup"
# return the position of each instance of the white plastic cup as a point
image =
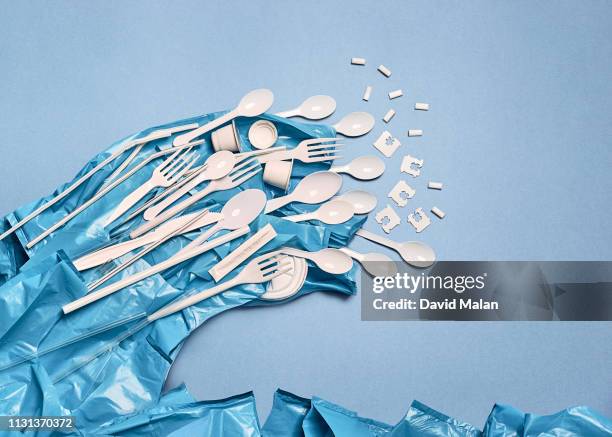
(278, 173)
(226, 138)
(263, 134)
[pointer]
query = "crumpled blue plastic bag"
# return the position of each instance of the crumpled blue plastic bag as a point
(235, 416)
(121, 370)
(507, 421)
(287, 415)
(423, 421)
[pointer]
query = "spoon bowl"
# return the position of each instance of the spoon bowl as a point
(362, 201)
(219, 164)
(416, 253)
(329, 260)
(255, 103)
(355, 124)
(364, 168)
(312, 189)
(317, 107)
(335, 212)
(242, 209)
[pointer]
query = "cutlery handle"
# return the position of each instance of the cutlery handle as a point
(130, 200)
(279, 155)
(202, 237)
(156, 209)
(164, 265)
(376, 238)
(279, 202)
(288, 114)
(98, 195)
(351, 253)
(192, 300)
(176, 209)
(102, 256)
(185, 138)
(63, 194)
(338, 168)
(300, 217)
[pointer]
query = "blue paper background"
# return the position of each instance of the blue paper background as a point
(519, 132)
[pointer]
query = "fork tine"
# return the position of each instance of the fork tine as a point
(323, 158)
(270, 276)
(317, 140)
(324, 146)
(187, 165)
(278, 266)
(245, 177)
(178, 164)
(242, 165)
(322, 153)
(170, 164)
(243, 171)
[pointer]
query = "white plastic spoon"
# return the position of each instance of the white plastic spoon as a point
(355, 124)
(254, 103)
(376, 264)
(237, 212)
(313, 108)
(332, 213)
(329, 260)
(413, 252)
(364, 168)
(312, 189)
(362, 201)
(218, 165)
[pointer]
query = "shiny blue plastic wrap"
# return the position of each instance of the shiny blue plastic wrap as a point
(423, 421)
(235, 416)
(507, 421)
(103, 361)
(287, 415)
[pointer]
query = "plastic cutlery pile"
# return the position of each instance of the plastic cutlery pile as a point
(193, 194)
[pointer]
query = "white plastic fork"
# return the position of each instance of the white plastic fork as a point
(164, 175)
(261, 269)
(103, 192)
(193, 173)
(308, 151)
(160, 267)
(138, 142)
(240, 174)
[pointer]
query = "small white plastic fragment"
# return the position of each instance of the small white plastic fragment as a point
(437, 211)
(421, 222)
(358, 61)
(421, 106)
(387, 144)
(384, 70)
(389, 115)
(387, 218)
(367, 93)
(411, 165)
(395, 94)
(415, 132)
(401, 193)
(435, 185)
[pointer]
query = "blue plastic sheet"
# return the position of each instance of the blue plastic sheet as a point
(287, 415)
(423, 421)
(101, 362)
(235, 416)
(507, 421)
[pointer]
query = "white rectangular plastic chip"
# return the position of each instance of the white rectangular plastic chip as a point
(389, 115)
(435, 185)
(421, 106)
(415, 132)
(358, 61)
(395, 94)
(367, 93)
(437, 211)
(384, 70)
